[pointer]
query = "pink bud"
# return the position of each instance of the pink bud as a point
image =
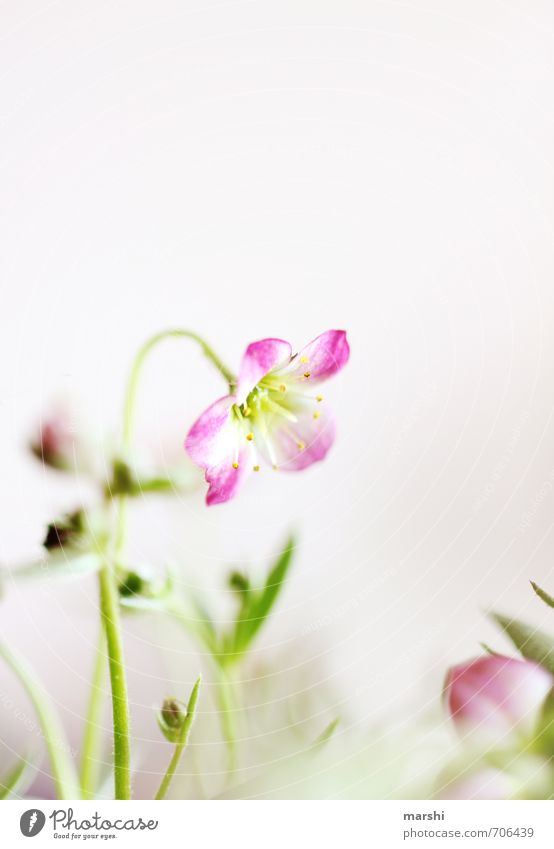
(55, 441)
(491, 696)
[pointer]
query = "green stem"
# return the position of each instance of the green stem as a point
(109, 604)
(226, 705)
(90, 761)
(63, 768)
(149, 345)
(181, 742)
(108, 587)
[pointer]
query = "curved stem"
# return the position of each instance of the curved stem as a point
(63, 768)
(108, 587)
(149, 345)
(93, 729)
(181, 742)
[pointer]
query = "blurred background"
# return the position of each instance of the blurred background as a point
(248, 169)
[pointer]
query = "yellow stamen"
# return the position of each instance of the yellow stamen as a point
(275, 467)
(301, 445)
(282, 387)
(256, 468)
(235, 465)
(317, 414)
(246, 410)
(307, 374)
(250, 436)
(304, 359)
(319, 397)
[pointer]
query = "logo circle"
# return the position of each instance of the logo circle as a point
(32, 822)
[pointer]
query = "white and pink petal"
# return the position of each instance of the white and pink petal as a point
(226, 479)
(259, 359)
(322, 358)
(295, 446)
(213, 436)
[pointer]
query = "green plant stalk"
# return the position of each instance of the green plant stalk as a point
(109, 604)
(181, 743)
(109, 597)
(149, 345)
(63, 768)
(226, 705)
(90, 760)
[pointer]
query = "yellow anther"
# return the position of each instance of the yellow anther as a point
(275, 467)
(301, 445)
(250, 436)
(282, 387)
(304, 359)
(235, 465)
(256, 468)
(307, 374)
(246, 410)
(317, 414)
(319, 397)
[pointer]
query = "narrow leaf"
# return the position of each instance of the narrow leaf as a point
(532, 643)
(542, 594)
(16, 779)
(258, 605)
(325, 735)
(63, 768)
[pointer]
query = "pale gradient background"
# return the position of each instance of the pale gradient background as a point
(279, 168)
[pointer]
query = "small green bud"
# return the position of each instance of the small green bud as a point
(239, 582)
(132, 584)
(171, 719)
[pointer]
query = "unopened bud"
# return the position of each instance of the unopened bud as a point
(65, 532)
(171, 719)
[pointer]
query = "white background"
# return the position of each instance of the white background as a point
(278, 168)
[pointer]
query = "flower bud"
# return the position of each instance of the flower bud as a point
(65, 532)
(54, 442)
(171, 719)
(492, 696)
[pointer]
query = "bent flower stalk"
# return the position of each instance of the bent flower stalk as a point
(275, 416)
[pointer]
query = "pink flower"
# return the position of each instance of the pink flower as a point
(55, 442)
(275, 416)
(491, 696)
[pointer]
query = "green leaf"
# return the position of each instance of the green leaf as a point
(532, 643)
(542, 594)
(257, 605)
(59, 564)
(61, 762)
(488, 649)
(17, 779)
(325, 735)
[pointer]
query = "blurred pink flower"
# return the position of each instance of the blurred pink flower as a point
(492, 696)
(54, 443)
(275, 414)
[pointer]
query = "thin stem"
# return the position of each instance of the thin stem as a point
(226, 704)
(109, 604)
(109, 597)
(90, 761)
(181, 742)
(149, 345)
(59, 753)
